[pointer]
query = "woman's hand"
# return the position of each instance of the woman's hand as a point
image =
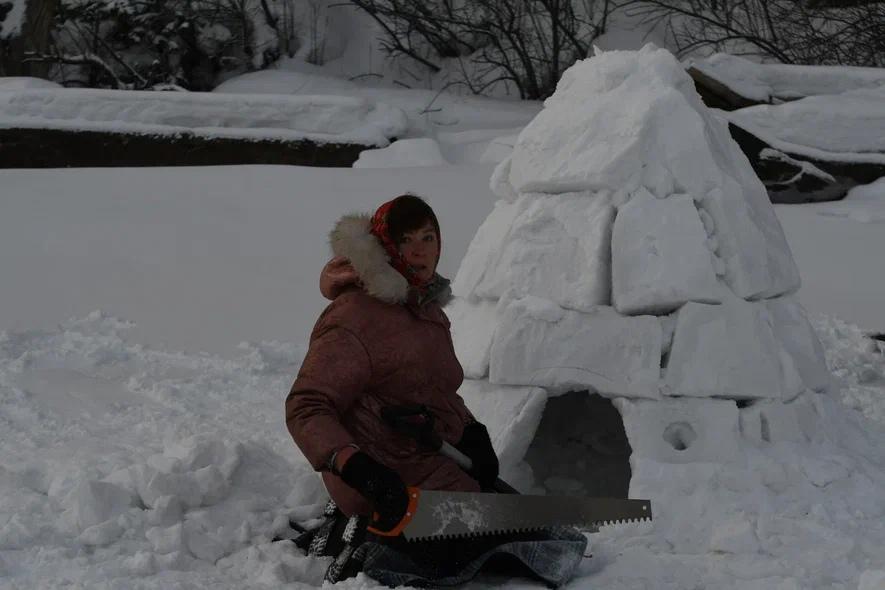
(476, 444)
(380, 485)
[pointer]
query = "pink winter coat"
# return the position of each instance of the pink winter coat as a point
(373, 346)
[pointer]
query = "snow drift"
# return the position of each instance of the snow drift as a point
(341, 119)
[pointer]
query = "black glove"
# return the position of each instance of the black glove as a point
(476, 444)
(380, 485)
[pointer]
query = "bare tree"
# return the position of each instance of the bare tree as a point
(836, 32)
(526, 43)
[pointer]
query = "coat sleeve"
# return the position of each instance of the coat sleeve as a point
(334, 374)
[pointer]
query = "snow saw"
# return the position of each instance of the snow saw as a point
(435, 514)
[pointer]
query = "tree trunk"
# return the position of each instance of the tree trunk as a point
(34, 37)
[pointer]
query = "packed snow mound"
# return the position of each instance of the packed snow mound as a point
(317, 118)
(772, 82)
(404, 153)
(635, 254)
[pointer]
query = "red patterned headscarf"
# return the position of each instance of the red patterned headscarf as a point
(381, 230)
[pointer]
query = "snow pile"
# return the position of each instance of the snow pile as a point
(848, 127)
(634, 253)
(180, 463)
(318, 118)
(405, 153)
(780, 82)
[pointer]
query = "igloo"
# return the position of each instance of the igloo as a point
(632, 294)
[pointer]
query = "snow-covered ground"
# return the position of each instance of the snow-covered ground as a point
(155, 455)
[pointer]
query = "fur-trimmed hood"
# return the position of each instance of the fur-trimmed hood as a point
(351, 239)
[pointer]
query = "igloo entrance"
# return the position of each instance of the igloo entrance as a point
(580, 448)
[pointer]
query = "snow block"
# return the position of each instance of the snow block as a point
(541, 344)
(771, 422)
(558, 248)
(481, 259)
(95, 502)
(166, 511)
(725, 350)
(155, 485)
(758, 262)
(166, 540)
(511, 413)
(473, 326)
(660, 257)
(795, 334)
(197, 452)
(100, 535)
(681, 430)
(204, 545)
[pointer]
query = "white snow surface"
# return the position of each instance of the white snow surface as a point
(143, 446)
(25, 83)
(849, 127)
(774, 82)
(318, 118)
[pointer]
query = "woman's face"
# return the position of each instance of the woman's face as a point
(420, 248)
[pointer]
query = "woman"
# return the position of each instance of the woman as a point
(384, 341)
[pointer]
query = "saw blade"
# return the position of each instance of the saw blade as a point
(441, 514)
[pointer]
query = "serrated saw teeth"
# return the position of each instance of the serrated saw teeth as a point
(463, 515)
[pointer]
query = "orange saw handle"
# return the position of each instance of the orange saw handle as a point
(414, 495)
